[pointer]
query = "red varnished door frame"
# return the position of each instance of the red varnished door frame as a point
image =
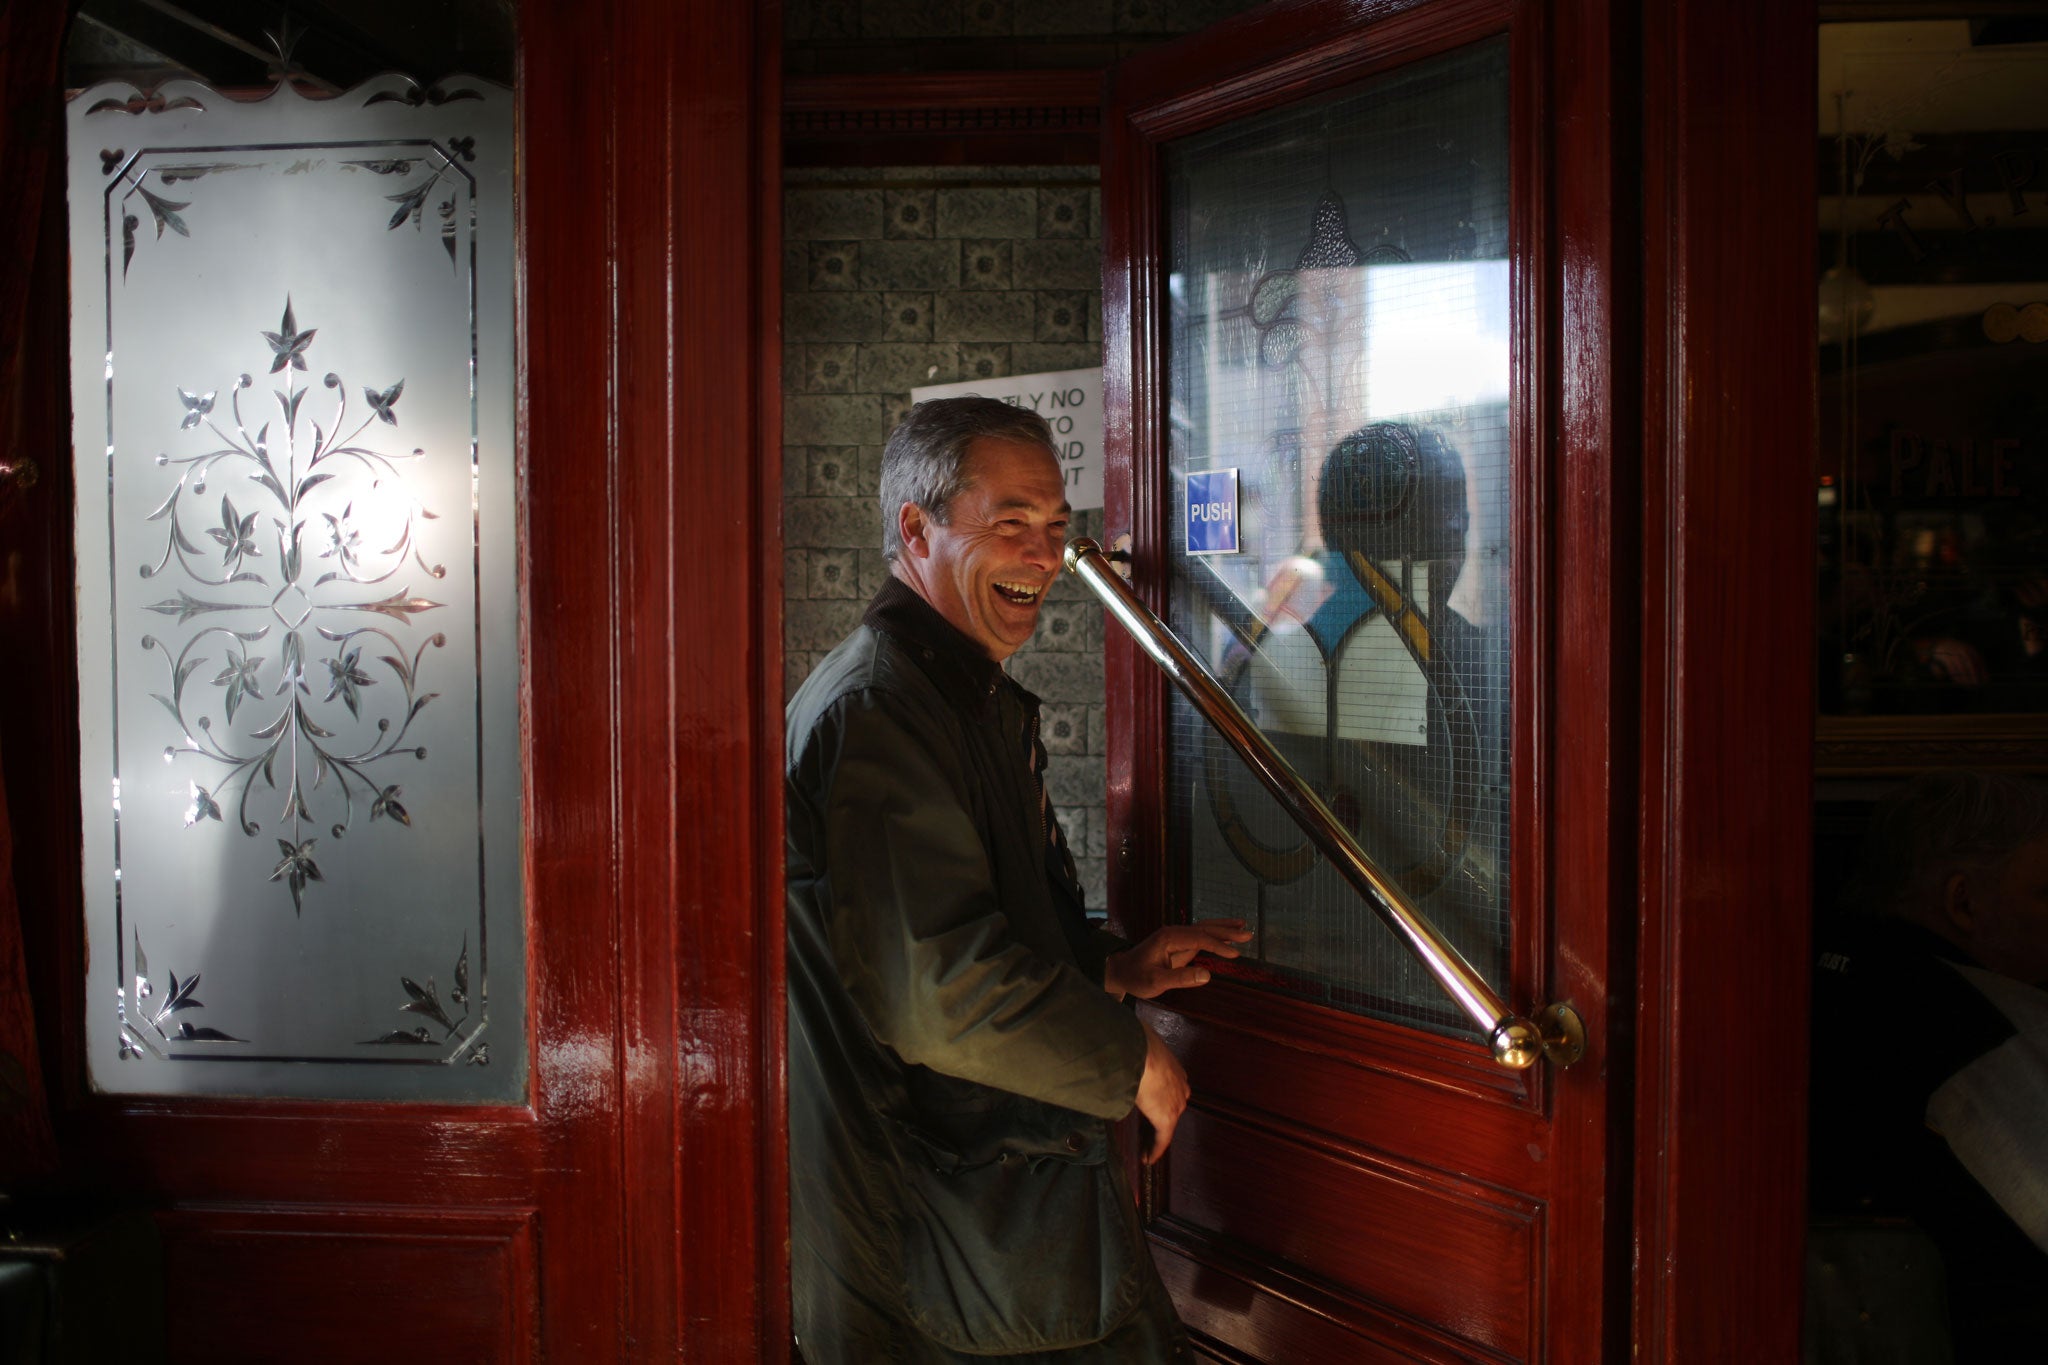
(634, 1209)
(1574, 814)
(652, 228)
(1728, 382)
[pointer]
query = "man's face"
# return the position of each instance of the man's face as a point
(987, 569)
(2007, 914)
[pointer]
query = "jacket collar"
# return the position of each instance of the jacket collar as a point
(967, 676)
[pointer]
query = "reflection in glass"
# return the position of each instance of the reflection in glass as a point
(298, 671)
(1339, 296)
(1933, 373)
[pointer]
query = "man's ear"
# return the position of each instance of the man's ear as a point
(1955, 902)
(910, 526)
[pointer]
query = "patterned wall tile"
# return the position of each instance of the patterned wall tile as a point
(1063, 626)
(909, 18)
(1058, 677)
(905, 317)
(834, 471)
(831, 317)
(895, 407)
(966, 316)
(901, 266)
(988, 18)
(829, 369)
(1044, 357)
(831, 214)
(1093, 873)
(1064, 729)
(835, 574)
(988, 211)
(887, 368)
(1075, 823)
(984, 360)
(1062, 17)
(1098, 837)
(796, 666)
(874, 569)
(1064, 212)
(831, 523)
(985, 263)
(831, 419)
(1140, 16)
(1075, 782)
(819, 625)
(870, 470)
(1053, 264)
(835, 265)
(910, 214)
(1062, 316)
(796, 470)
(810, 20)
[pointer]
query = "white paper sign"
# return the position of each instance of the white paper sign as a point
(1070, 400)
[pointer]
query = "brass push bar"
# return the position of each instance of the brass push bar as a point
(1556, 1032)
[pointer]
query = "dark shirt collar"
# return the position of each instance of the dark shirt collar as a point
(967, 676)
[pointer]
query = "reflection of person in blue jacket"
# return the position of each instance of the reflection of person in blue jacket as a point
(1386, 698)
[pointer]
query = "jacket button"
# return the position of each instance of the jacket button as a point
(1075, 1142)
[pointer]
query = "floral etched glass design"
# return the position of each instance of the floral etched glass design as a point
(298, 663)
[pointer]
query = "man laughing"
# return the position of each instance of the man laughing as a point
(956, 1046)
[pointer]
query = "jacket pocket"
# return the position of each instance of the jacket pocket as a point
(1026, 1252)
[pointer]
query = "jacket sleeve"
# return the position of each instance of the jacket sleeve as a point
(919, 936)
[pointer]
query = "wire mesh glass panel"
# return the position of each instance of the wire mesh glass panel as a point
(1338, 351)
(298, 663)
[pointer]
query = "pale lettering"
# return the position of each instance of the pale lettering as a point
(2015, 173)
(2002, 451)
(1950, 188)
(1906, 453)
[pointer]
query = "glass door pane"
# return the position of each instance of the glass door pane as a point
(1338, 350)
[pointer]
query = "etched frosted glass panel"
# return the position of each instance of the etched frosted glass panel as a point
(292, 375)
(1338, 336)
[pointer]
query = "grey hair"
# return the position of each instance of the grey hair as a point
(1938, 824)
(925, 461)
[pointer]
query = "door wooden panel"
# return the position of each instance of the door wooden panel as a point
(1440, 1249)
(632, 1208)
(336, 1280)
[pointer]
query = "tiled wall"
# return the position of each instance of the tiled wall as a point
(900, 277)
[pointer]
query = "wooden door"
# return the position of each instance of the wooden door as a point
(1357, 1179)
(630, 1207)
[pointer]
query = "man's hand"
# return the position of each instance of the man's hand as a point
(1162, 1093)
(1166, 959)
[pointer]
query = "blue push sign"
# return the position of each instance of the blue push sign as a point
(1212, 512)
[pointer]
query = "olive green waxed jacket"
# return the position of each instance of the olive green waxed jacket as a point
(953, 1059)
